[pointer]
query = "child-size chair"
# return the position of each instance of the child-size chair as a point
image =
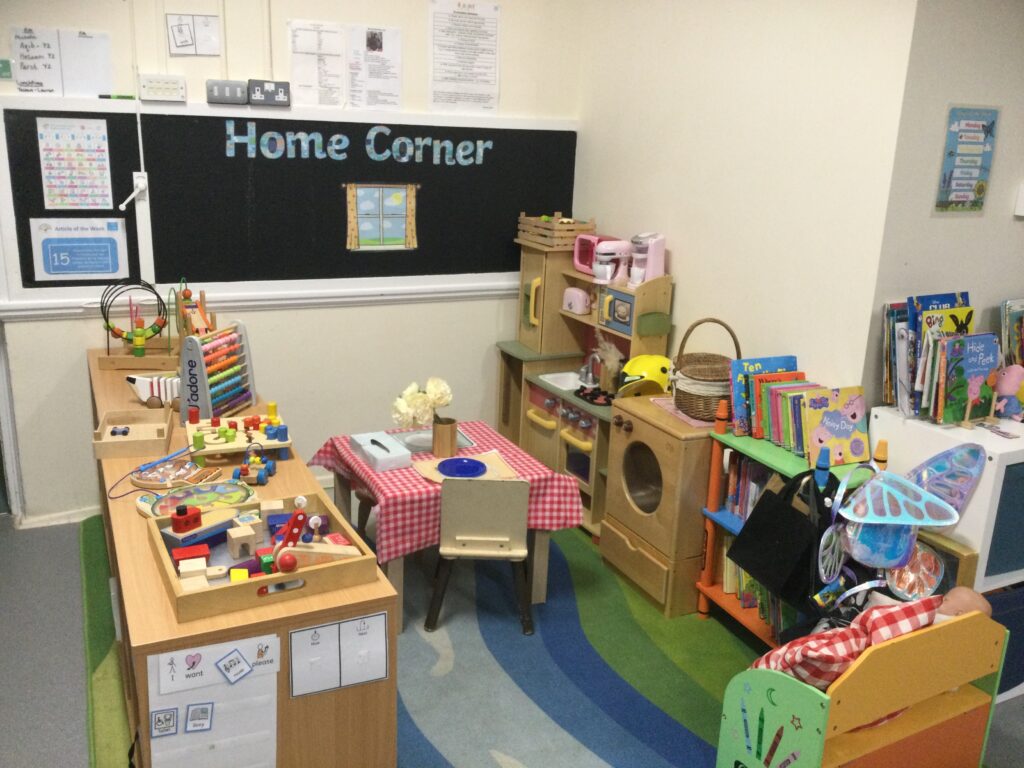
(483, 519)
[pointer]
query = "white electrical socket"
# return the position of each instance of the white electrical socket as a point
(161, 88)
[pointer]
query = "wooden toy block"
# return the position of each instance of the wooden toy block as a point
(194, 583)
(277, 521)
(239, 574)
(242, 541)
(254, 521)
(186, 519)
(215, 521)
(272, 507)
(267, 563)
(216, 572)
(186, 553)
(192, 567)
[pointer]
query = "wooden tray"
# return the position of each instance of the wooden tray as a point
(552, 234)
(223, 596)
(149, 434)
(157, 357)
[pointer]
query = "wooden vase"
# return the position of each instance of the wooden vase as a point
(446, 434)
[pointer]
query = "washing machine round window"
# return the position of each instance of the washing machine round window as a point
(642, 477)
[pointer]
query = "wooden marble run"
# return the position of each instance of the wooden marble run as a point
(941, 679)
(217, 376)
(218, 436)
(228, 558)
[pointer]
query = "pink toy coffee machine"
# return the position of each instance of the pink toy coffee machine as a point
(611, 261)
(583, 252)
(648, 258)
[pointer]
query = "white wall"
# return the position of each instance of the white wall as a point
(759, 138)
(962, 55)
(332, 370)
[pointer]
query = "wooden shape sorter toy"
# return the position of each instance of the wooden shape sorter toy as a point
(216, 435)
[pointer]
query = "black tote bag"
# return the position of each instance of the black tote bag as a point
(778, 544)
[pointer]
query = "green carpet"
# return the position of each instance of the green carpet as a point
(107, 721)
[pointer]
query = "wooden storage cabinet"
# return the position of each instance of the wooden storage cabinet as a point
(653, 530)
(541, 284)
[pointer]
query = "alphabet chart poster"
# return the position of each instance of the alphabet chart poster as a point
(74, 157)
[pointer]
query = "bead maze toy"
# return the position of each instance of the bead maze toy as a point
(256, 467)
(217, 436)
(217, 373)
(172, 474)
(138, 333)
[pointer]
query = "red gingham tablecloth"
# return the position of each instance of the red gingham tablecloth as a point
(409, 506)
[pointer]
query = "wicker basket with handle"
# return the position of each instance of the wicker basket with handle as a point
(701, 379)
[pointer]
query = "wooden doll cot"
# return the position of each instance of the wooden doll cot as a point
(945, 678)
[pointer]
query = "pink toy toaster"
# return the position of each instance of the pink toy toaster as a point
(576, 300)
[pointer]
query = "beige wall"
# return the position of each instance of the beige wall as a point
(759, 138)
(925, 252)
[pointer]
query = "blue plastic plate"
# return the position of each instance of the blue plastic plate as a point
(461, 467)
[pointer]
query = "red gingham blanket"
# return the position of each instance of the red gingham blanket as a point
(821, 658)
(409, 506)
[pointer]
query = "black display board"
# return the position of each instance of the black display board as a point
(228, 203)
(27, 184)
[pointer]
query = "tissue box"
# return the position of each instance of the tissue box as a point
(381, 451)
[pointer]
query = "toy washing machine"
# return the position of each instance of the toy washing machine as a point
(653, 529)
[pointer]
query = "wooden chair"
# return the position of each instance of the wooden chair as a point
(483, 519)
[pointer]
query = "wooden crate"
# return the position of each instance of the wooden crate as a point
(223, 596)
(149, 434)
(552, 233)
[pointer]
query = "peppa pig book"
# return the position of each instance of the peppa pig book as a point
(972, 363)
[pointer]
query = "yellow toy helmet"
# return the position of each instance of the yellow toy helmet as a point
(644, 375)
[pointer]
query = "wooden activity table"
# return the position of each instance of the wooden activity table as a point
(351, 725)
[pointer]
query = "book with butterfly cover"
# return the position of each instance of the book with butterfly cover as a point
(836, 417)
(972, 363)
(915, 306)
(740, 372)
(759, 404)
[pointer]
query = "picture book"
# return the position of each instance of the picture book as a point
(739, 371)
(774, 392)
(915, 306)
(894, 315)
(951, 320)
(972, 365)
(785, 407)
(758, 401)
(1011, 320)
(904, 389)
(837, 418)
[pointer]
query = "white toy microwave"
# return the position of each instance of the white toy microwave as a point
(993, 521)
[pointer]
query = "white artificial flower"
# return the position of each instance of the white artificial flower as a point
(422, 410)
(439, 392)
(401, 412)
(409, 391)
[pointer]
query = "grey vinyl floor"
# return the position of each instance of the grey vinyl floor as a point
(42, 660)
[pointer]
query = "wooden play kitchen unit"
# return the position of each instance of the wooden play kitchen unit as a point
(296, 641)
(537, 407)
(653, 528)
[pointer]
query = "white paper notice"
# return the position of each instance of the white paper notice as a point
(67, 62)
(374, 68)
(332, 656)
(463, 56)
(79, 249)
(35, 54)
(317, 49)
(204, 714)
(193, 35)
(316, 663)
(86, 63)
(75, 163)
